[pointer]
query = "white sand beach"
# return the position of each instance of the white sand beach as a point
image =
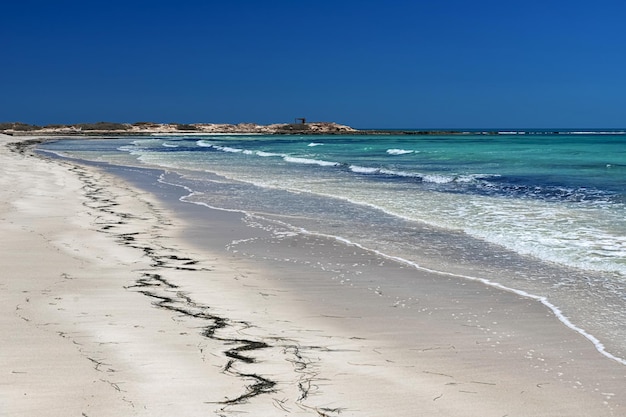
(111, 306)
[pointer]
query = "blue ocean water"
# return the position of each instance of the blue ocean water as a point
(540, 213)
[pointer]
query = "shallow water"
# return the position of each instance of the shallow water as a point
(540, 214)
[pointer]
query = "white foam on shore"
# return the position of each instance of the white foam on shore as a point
(266, 154)
(364, 170)
(543, 300)
(309, 161)
(599, 346)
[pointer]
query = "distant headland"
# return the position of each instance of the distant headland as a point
(149, 128)
(301, 127)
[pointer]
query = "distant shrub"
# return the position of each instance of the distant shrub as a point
(25, 127)
(102, 126)
(18, 127)
(185, 127)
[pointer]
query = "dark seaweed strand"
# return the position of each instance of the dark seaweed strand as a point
(155, 285)
(166, 296)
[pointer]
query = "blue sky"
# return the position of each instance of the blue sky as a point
(420, 64)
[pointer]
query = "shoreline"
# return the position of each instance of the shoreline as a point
(600, 347)
(301, 346)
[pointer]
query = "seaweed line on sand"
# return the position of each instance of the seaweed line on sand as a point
(109, 216)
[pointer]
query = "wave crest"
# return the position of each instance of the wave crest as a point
(307, 161)
(399, 151)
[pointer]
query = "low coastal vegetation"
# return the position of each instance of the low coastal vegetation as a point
(103, 126)
(100, 126)
(112, 128)
(18, 127)
(185, 127)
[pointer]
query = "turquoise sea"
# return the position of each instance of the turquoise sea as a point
(542, 214)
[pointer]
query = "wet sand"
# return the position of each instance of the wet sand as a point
(117, 299)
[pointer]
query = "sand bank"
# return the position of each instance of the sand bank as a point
(112, 305)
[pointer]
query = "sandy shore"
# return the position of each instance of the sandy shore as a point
(112, 305)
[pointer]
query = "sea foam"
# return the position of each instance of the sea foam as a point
(398, 151)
